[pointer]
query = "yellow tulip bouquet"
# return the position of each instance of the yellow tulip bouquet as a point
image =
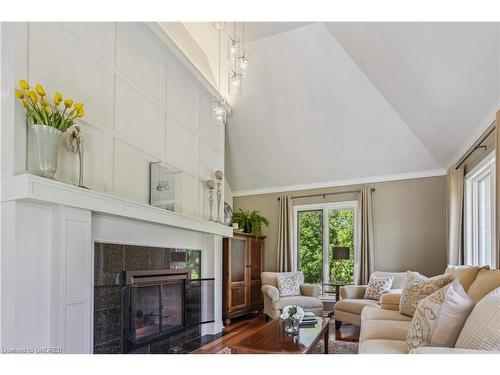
(39, 111)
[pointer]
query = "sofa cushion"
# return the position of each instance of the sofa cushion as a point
(417, 287)
(486, 281)
(377, 286)
(302, 301)
(289, 283)
(384, 329)
(383, 347)
(439, 317)
(482, 328)
(374, 313)
(465, 274)
(398, 278)
(354, 306)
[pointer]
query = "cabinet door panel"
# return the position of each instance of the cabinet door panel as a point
(255, 259)
(238, 256)
(238, 299)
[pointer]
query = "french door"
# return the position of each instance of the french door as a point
(319, 230)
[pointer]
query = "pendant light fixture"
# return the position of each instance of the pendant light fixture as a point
(243, 60)
(218, 103)
(234, 76)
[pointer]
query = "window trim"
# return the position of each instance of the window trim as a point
(471, 238)
(325, 207)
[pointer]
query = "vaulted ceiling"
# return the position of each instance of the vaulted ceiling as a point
(326, 103)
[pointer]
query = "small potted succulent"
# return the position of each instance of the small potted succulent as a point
(49, 121)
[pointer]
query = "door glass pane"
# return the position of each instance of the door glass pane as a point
(255, 259)
(310, 244)
(341, 234)
(238, 260)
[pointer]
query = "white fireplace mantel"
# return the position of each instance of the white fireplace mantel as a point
(48, 233)
(34, 188)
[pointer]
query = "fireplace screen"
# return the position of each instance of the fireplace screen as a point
(157, 305)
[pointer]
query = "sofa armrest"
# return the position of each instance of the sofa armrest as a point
(352, 291)
(442, 350)
(390, 300)
(310, 290)
(271, 291)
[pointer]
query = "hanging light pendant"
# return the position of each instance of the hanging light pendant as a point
(219, 103)
(243, 59)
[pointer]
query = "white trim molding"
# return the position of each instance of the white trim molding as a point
(338, 183)
(35, 188)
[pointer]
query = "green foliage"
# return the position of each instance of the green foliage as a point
(341, 233)
(250, 222)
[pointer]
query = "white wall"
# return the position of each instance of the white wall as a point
(142, 105)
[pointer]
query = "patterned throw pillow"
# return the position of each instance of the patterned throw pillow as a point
(416, 288)
(482, 328)
(377, 286)
(289, 283)
(439, 317)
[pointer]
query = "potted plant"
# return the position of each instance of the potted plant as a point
(49, 121)
(250, 222)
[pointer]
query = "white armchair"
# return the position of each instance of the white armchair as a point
(348, 308)
(273, 303)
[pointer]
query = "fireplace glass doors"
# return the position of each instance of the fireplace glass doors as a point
(155, 309)
(158, 303)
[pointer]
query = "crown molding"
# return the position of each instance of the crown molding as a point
(338, 183)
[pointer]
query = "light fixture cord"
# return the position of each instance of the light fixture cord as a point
(219, 63)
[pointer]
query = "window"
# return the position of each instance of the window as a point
(318, 230)
(479, 233)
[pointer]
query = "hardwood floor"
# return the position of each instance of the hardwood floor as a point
(245, 326)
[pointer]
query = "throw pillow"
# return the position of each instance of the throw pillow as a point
(481, 330)
(377, 286)
(289, 283)
(416, 288)
(486, 281)
(439, 317)
(465, 274)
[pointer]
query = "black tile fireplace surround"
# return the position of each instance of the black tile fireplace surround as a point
(161, 327)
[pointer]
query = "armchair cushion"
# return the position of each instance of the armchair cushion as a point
(390, 301)
(354, 306)
(310, 290)
(352, 291)
(271, 291)
(306, 303)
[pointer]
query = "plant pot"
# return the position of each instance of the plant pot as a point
(47, 141)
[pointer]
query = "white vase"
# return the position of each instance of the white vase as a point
(47, 141)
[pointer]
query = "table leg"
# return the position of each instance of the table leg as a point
(337, 293)
(326, 338)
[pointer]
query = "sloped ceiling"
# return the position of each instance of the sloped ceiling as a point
(331, 102)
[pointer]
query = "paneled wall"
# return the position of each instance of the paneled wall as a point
(142, 105)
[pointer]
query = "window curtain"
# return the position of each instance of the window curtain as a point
(285, 257)
(454, 215)
(364, 266)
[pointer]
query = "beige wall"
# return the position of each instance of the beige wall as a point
(409, 222)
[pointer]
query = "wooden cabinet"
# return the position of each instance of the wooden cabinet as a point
(242, 265)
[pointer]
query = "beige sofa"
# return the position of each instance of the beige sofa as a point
(348, 308)
(273, 303)
(384, 329)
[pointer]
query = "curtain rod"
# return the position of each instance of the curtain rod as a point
(325, 194)
(476, 145)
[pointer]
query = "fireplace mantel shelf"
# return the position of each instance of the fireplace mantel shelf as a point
(34, 188)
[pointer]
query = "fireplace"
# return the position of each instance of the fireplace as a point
(159, 303)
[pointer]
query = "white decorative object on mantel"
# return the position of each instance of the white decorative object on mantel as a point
(34, 188)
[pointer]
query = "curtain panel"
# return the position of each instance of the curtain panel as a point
(285, 256)
(365, 257)
(454, 215)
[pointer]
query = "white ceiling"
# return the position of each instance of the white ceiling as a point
(330, 102)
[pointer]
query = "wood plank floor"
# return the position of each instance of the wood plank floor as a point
(245, 326)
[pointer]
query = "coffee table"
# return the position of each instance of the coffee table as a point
(272, 338)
